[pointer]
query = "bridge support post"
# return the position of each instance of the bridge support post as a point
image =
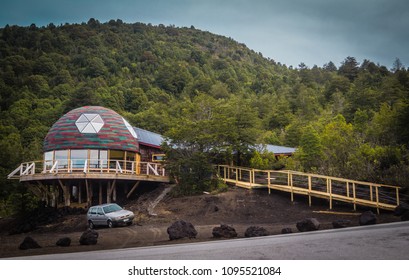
(89, 193)
(269, 181)
(309, 189)
(354, 195)
(290, 181)
(80, 192)
(133, 189)
(100, 193)
(377, 199)
(330, 193)
(66, 193)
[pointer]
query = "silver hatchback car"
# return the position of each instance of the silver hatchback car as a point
(110, 215)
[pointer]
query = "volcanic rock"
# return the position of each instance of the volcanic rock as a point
(89, 237)
(255, 231)
(181, 229)
(367, 218)
(308, 224)
(224, 231)
(29, 243)
(63, 242)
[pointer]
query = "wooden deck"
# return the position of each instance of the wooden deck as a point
(118, 170)
(374, 195)
(102, 181)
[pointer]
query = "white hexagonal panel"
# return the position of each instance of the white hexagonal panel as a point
(130, 128)
(89, 123)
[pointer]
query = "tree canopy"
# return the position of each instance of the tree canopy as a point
(206, 91)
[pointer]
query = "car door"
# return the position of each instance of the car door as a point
(92, 214)
(101, 216)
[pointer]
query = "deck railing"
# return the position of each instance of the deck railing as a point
(87, 167)
(379, 196)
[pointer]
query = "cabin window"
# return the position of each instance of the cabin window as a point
(62, 158)
(103, 157)
(98, 158)
(115, 156)
(78, 158)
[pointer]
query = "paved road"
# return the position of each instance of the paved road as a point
(385, 241)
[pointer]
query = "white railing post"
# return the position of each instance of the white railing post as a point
(55, 166)
(118, 167)
(15, 171)
(85, 166)
(29, 167)
(154, 170)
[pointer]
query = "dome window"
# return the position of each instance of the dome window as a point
(130, 128)
(89, 123)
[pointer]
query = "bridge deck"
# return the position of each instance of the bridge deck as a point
(374, 195)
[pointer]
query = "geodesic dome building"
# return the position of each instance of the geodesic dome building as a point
(92, 155)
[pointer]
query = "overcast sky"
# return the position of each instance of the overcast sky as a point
(288, 31)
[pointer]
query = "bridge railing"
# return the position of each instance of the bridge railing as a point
(379, 196)
(87, 166)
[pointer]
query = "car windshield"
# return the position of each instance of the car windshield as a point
(111, 208)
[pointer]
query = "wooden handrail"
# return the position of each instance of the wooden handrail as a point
(87, 167)
(332, 188)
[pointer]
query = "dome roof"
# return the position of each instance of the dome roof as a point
(91, 127)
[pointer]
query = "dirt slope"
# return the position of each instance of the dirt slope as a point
(237, 207)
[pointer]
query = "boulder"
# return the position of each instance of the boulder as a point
(341, 223)
(255, 231)
(224, 231)
(63, 242)
(309, 224)
(367, 218)
(286, 230)
(401, 210)
(181, 229)
(89, 237)
(29, 243)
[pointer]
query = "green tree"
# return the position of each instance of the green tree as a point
(310, 149)
(84, 96)
(338, 143)
(192, 142)
(242, 127)
(330, 66)
(349, 68)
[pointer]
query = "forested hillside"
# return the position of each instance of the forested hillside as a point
(206, 90)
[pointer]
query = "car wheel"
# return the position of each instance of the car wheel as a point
(110, 224)
(91, 225)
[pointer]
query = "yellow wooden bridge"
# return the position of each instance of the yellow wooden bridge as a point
(374, 195)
